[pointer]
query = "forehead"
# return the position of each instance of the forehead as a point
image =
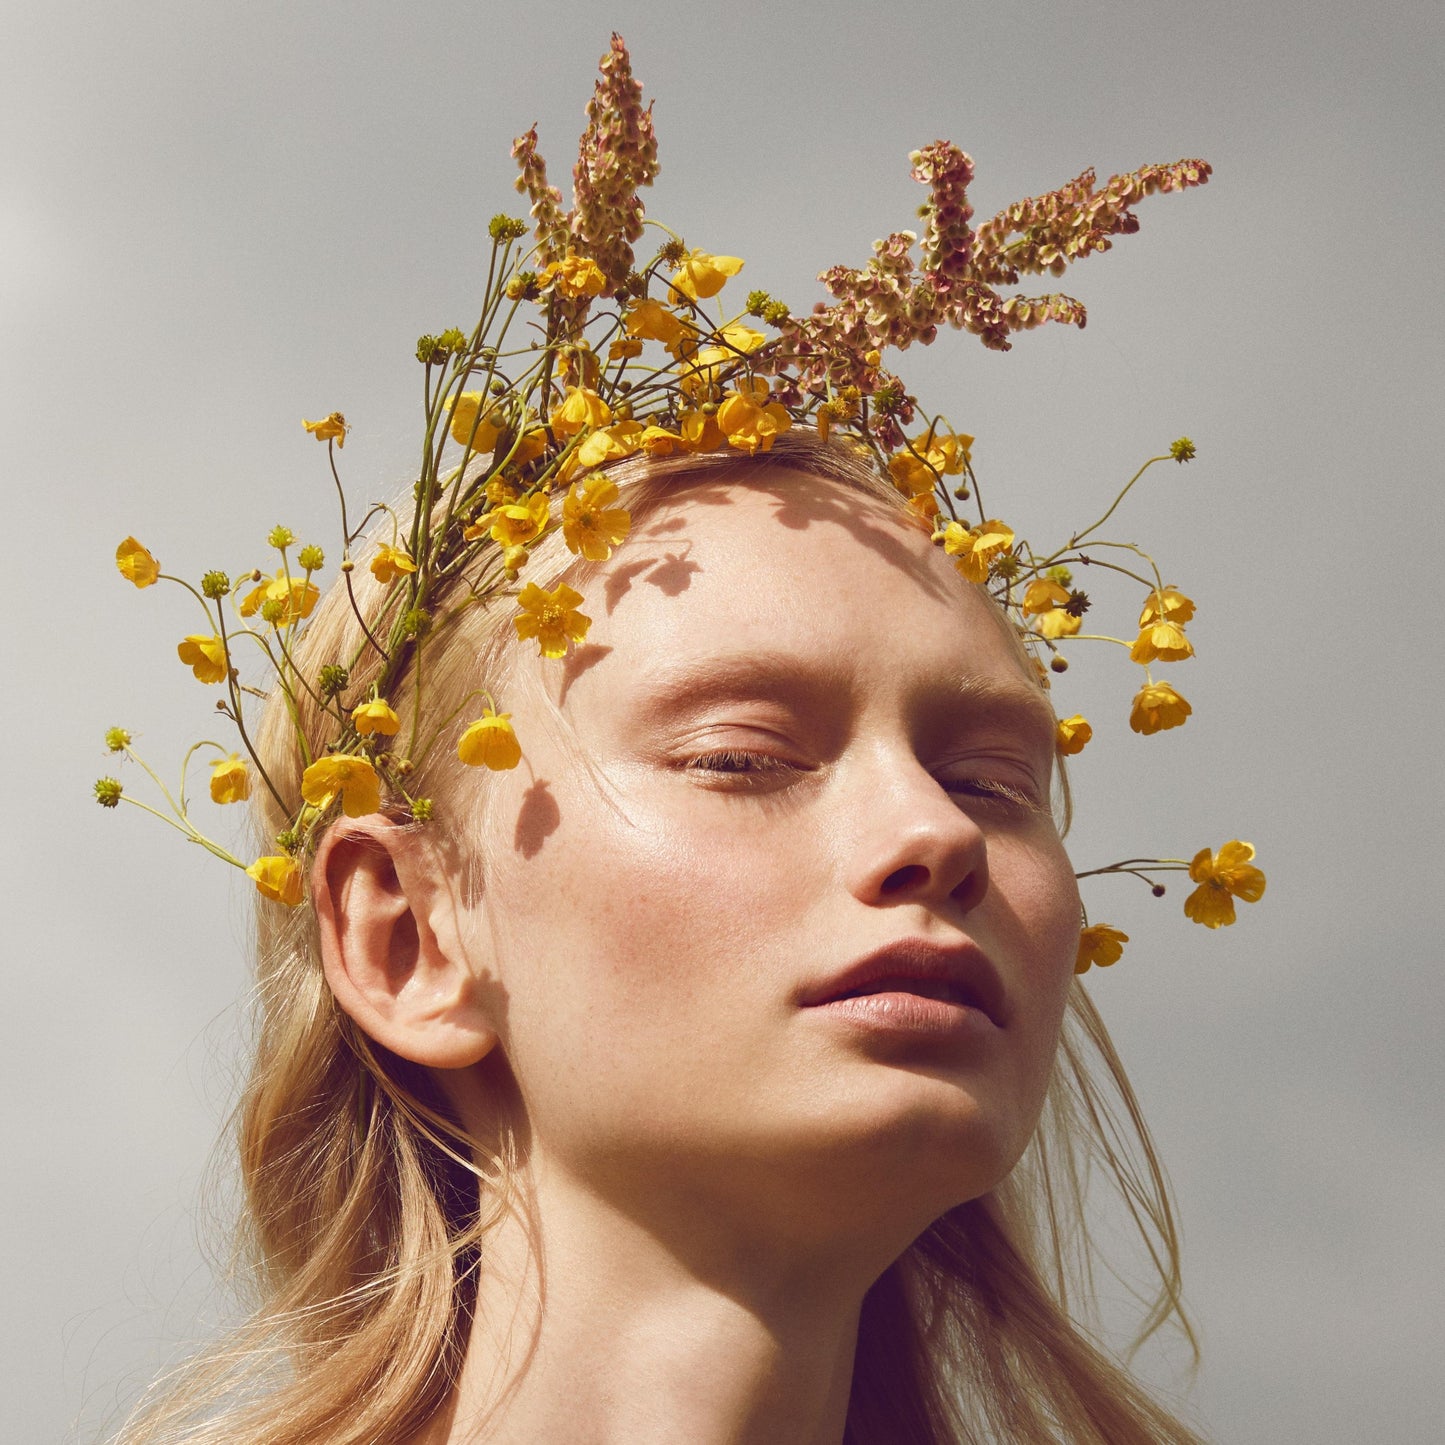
(788, 566)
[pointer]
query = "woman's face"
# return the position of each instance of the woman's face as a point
(797, 756)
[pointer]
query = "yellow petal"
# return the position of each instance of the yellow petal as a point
(278, 877)
(136, 564)
(490, 743)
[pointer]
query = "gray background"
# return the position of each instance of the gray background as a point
(216, 220)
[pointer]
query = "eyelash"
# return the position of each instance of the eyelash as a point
(740, 766)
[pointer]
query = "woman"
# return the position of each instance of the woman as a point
(717, 1071)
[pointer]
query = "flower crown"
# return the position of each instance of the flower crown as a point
(584, 355)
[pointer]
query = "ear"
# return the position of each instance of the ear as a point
(391, 943)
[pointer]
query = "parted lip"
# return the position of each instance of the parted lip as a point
(961, 964)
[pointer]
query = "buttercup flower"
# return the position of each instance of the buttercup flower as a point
(702, 275)
(976, 547)
(517, 523)
(389, 564)
(490, 742)
(574, 276)
(591, 526)
(1222, 877)
(205, 656)
(230, 780)
(1074, 734)
(467, 430)
(749, 420)
(610, 444)
(1099, 944)
(942, 454)
(295, 596)
(551, 617)
(1161, 641)
(351, 778)
(580, 408)
(278, 876)
(652, 321)
(375, 717)
(136, 564)
(329, 429)
(1157, 707)
(1166, 605)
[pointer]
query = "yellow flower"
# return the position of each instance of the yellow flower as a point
(490, 743)
(702, 275)
(464, 410)
(205, 656)
(1166, 605)
(296, 595)
(976, 547)
(1042, 595)
(230, 780)
(624, 349)
(925, 507)
(278, 877)
(375, 717)
(1073, 733)
(136, 564)
(551, 617)
(389, 563)
(700, 432)
(530, 446)
(657, 441)
(749, 420)
(329, 429)
(574, 276)
(590, 525)
(351, 778)
(1222, 877)
(737, 337)
(652, 321)
(1156, 708)
(1163, 641)
(942, 454)
(518, 523)
(1099, 944)
(610, 444)
(580, 408)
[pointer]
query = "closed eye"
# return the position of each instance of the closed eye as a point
(994, 791)
(737, 766)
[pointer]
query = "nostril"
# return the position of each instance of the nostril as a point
(913, 875)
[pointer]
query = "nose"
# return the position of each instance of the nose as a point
(910, 842)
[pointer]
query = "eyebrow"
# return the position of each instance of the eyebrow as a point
(783, 677)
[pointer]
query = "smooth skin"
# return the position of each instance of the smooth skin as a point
(793, 736)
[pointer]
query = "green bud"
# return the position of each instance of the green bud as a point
(416, 623)
(215, 584)
(117, 740)
(1061, 575)
(1182, 450)
(758, 302)
(287, 840)
(333, 679)
(107, 792)
(776, 312)
(452, 340)
(280, 537)
(506, 228)
(311, 558)
(426, 349)
(273, 609)
(421, 810)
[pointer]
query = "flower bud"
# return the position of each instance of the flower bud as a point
(312, 559)
(117, 740)
(421, 810)
(1182, 450)
(107, 792)
(215, 585)
(280, 537)
(1059, 663)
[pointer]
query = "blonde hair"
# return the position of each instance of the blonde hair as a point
(366, 1205)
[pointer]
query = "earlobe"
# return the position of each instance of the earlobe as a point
(390, 944)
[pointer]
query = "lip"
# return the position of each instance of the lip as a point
(960, 965)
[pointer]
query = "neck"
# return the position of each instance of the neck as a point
(610, 1331)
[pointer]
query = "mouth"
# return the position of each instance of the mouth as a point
(956, 973)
